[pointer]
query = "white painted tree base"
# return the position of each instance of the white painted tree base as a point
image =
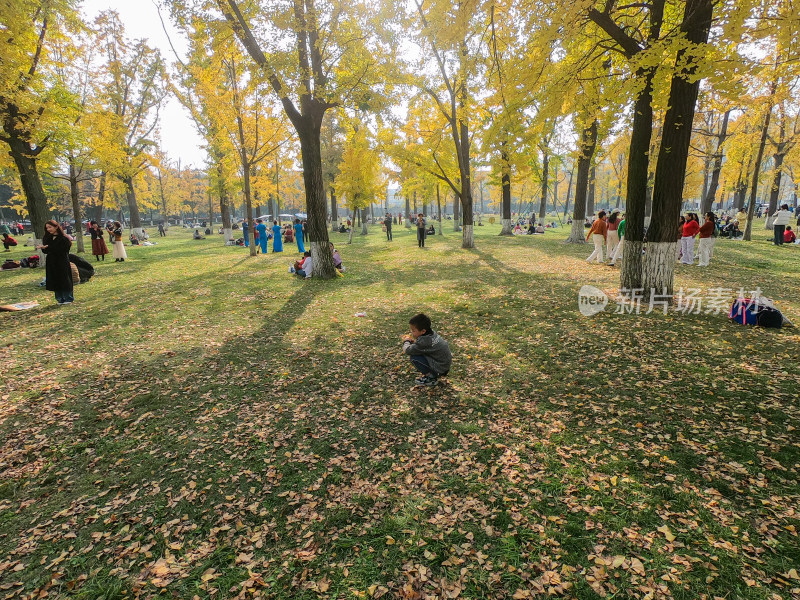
(658, 268)
(138, 231)
(227, 233)
(508, 229)
(334, 225)
(577, 234)
(467, 238)
(322, 261)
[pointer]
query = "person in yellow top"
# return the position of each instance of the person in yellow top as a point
(741, 216)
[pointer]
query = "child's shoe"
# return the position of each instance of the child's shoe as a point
(420, 380)
(430, 380)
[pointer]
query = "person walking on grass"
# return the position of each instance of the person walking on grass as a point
(429, 352)
(612, 236)
(690, 229)
(387, 222)
(707, 233)
(298, 236)
(99, 248)
(161, 231)
(421, 230)
(598, 233)
(118, 252)
(618, 251)
(779, 222)
(58, 271)
(277, 238)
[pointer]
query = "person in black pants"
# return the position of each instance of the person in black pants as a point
(420, 230)
(388, 223)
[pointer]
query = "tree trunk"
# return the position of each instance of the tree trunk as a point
(545, 176)
(364, 229)
(101, 198)
(415, 202)
(224, 209)
(592, 188)
(456, 213)
(588, 147)
(133, 208)
(308, 130)
(506, 190)
(774, 192)
(250, 237)
(35, 199)
(636, 194)
(569, 194)
(334, 211)
(662, 235)
(408, 213)
(751, 208)
(439, 207)
(76, 205)
(711, 192)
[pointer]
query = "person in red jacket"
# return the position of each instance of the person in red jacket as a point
(788, 235)
(690, 230)
(9, 241)
(707, 239)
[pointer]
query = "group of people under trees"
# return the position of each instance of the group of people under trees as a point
(276, 233)
(609, 230)
(419, 223)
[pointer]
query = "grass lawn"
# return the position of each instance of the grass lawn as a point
(202, 424)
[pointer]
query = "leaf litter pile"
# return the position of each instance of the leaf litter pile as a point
(201, 425)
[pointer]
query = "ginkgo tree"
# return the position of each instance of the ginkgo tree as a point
(34, 108)
(134, 85)
(315, 55)
(359, 180)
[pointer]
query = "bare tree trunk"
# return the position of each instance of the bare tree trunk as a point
(659, 265)
(364, 229)
(588, 147)
(76, 205)
(711, 192)
(439, 207)
(456, 213)
(35, 199)
(592, 188)
(250, 236)
(751, 208)
(408, 213)
(133, 207)
(506, 191)
(101, 198)
(334, 211)
(545, 177)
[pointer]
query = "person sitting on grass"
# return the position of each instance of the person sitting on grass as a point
(788, 236)
(539, 229)
(303, 267)
(429, 352)
(133, 239)
(337, 259)
(197, 235)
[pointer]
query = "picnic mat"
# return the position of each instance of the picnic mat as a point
(18, 306)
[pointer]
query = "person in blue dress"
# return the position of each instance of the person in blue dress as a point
(298, 235)
(261, 228)
(277, 238)
(245, 233)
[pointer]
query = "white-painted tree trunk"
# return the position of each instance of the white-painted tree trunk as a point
(42, 255)
(768, 223)
(507, 229)
(138, 231)
(467, 239)
(227, 233)
(658, 268)
(334, 225)
(577, 234)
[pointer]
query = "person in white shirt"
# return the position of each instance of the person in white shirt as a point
(305, 267)
(779, 222)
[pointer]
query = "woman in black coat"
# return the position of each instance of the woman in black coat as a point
(59, 274)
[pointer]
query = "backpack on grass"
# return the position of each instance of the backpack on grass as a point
(755, 311)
